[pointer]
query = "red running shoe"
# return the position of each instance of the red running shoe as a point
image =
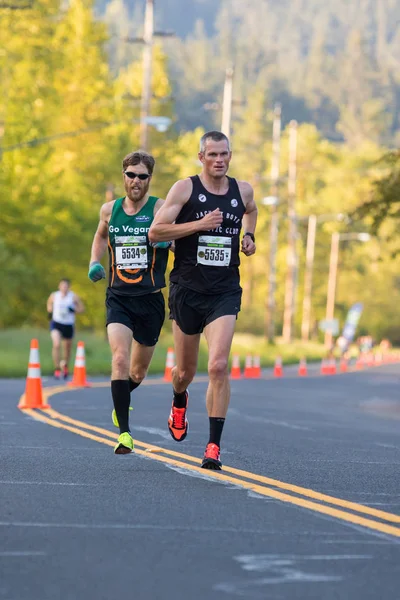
(211, 458)
(178, 424)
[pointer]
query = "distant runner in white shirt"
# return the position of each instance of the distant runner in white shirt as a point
(62, 307)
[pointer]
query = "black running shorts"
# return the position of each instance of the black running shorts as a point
(192, 311)
(67, 331)
(144, 315)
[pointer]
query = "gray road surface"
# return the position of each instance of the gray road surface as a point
(78, 522)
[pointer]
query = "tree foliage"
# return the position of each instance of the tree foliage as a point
(329, 62)
(69, 111)
(382, 209)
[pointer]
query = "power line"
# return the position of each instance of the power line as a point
(59, 136)
(17, 6)
(159, 122)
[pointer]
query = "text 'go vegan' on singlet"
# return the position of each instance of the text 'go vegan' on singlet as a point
(136, 268)
(208, 261)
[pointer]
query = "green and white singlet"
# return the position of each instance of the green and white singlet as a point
(136, 268)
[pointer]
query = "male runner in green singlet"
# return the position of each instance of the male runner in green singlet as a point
(204, 215)
(134, 301)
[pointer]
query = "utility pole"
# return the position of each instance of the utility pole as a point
(273, 244)
(227, 102)
(147, 72)
(330, 301)
(148, 40)
(291, 279)
(305, 323)
(333, 266)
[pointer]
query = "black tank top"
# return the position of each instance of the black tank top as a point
(208, 261)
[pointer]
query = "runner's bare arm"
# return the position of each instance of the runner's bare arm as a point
(78, 304)
(50, 301)
(158, 205)
(164, 227)
(100, 239)
(249, 218)
(170, 244)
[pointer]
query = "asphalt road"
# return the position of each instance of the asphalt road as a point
(78, 522)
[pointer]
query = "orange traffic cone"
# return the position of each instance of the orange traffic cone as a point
(248, 367)
(369, 359)
(33, 397)
(278, 370)
(256, 367)
(332, 367)
(324, 367)
(79, 376)
(169, 364)
(360, 362)
(235, 370)
(302, 372)
(343, 365)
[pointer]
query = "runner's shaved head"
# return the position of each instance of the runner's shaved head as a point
(215, 136)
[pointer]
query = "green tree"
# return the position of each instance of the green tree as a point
(251, 130)
(48, 188)
(382, 209)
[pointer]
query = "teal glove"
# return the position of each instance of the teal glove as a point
(96, 271)
(161, 244)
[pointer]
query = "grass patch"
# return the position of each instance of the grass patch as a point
(15, 344)
(290, 353)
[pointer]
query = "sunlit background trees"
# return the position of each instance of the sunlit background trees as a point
(71, 81)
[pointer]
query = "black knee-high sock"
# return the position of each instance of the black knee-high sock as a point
(133, 385)
(121, 397)
(180, 399)
(216, 427)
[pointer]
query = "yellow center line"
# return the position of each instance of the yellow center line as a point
(256, 488)
(247, 474)
(55, 415)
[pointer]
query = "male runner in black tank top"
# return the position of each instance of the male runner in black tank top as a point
(204, 215)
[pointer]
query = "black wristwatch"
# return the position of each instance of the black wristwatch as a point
(251, 235)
